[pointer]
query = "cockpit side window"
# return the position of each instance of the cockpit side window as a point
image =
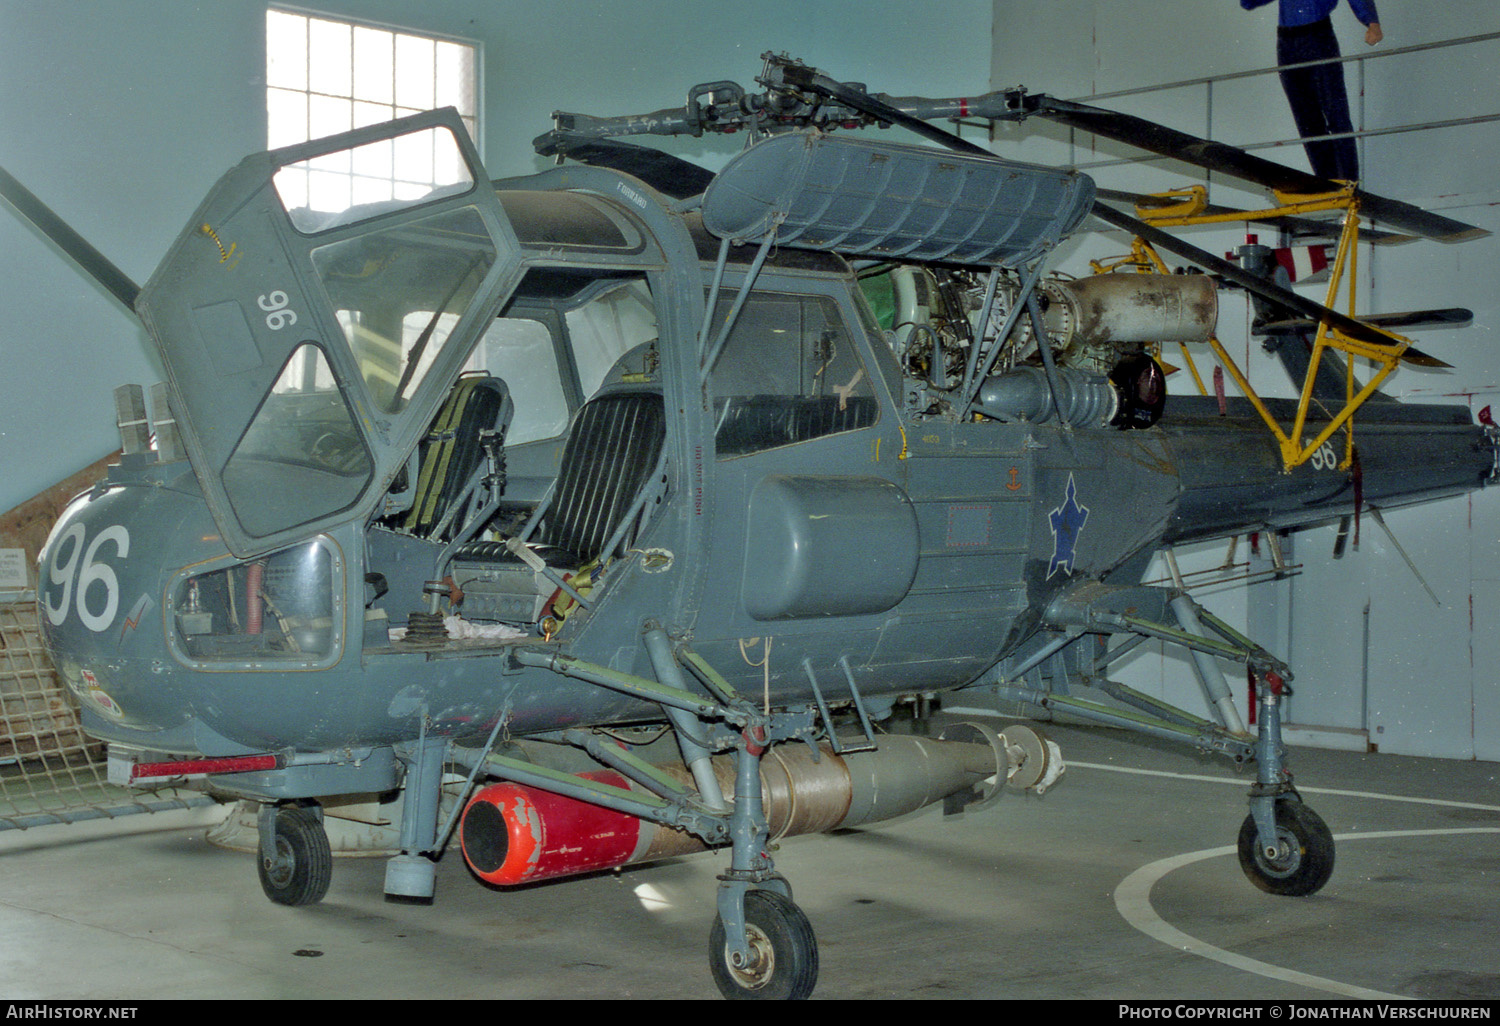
(606, 328)
(789, 372)
(302, 455)
(282, 610)
(520, 351)
(536, 350)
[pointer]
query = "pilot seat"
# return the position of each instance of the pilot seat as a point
(610, 470)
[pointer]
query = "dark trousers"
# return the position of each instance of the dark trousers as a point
(1320, 104)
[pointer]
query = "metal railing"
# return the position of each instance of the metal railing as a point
(1359, 60)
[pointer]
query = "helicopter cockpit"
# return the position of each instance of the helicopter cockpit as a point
(369, 380)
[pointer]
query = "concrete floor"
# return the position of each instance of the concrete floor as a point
(1120, 883)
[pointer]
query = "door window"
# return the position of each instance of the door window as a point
(789, 372)
(303, 456)
(520, 352)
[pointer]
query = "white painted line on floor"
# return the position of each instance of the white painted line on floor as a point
(1246, 782)
(1133, 896)
(1133, 900)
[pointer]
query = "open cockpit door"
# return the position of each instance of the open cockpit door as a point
(314, 312)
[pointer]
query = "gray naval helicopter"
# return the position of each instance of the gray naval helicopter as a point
(636, 498)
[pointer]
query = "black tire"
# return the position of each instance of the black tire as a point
(301, 868)
(783, 939)
(1309, 862)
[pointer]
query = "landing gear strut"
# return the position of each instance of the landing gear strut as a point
(761, 944)
(294, 858)
(1284, 847)
(783, 953)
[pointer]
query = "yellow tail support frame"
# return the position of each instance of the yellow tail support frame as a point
(1187, 207)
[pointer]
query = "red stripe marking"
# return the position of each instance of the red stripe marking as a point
(188, 767)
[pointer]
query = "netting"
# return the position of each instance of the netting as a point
(50, 771)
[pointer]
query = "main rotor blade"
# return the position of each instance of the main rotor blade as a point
(1256, 284)
(1235, 162)
(1302, 228)
(70, 242)
(1410, 320)
(667, 174)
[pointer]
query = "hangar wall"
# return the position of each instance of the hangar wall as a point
(1375, 657)
(120, 115)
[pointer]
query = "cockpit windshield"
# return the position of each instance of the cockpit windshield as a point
(313, 312)
(398, 294)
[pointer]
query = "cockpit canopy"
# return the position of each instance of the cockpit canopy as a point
(313, 313)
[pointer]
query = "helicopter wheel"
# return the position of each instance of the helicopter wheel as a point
(785, 952)
(299, 871)
(1306, 859)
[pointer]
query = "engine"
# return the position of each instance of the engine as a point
(1102, 334)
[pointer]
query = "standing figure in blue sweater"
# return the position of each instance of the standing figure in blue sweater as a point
(1320, 105)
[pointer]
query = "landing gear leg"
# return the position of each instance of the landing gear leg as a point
(1284, 847)
(412, 876)
(761, 945)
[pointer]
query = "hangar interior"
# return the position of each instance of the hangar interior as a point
(120, 116)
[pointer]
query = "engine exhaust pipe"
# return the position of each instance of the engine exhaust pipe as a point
(512, 834)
